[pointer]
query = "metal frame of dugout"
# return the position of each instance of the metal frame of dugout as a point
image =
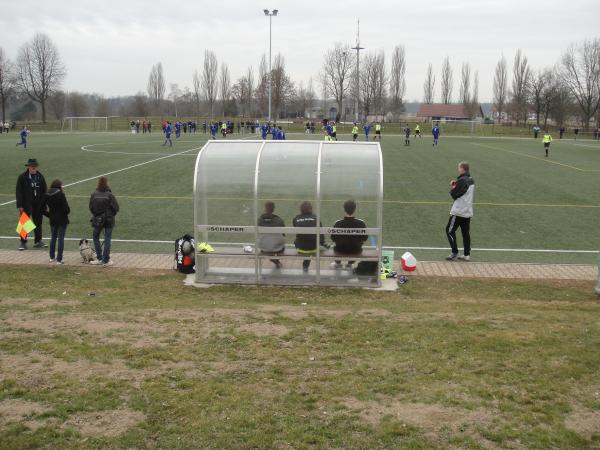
(234, 178)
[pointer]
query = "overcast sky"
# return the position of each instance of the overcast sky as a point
(109, 46)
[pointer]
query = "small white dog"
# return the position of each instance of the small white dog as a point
(86, 252)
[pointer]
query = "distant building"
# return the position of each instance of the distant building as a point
(443, 112)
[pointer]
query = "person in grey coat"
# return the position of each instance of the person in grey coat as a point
(271, 242)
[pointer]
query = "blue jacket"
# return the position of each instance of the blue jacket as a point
(24, 134)
(367, 128)
(436, 132)
(168, 130)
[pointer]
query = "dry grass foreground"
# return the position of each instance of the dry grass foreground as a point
(106, 359)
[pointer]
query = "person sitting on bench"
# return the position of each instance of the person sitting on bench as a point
(306, 244)
(271, 242)
(348, 244)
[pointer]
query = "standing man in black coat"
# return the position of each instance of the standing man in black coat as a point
(31, 187)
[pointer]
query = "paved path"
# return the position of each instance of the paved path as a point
(425, 268)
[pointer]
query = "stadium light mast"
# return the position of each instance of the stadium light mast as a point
(358, 48)
(270, 14)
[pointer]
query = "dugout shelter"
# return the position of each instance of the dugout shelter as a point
(233, 180)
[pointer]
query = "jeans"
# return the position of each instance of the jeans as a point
(58, 234)
(103, 257)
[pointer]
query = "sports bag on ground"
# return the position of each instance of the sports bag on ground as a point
(185, 254)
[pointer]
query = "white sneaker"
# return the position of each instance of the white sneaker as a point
(109, 263)
(52, 260)
(465, 258)
(336, 265)
(95, 262)
(60, 263)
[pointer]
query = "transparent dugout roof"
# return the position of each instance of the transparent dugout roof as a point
(234, 179)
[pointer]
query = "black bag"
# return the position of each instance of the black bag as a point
(367, 268)
(98, 221)
(185, 254)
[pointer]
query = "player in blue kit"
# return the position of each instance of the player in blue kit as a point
(168, 130)
(178, 125)
(264, 130)
(367, 128)
(435, 131)
(23, 138)
(213, 130)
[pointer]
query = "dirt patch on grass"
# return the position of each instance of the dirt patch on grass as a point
(105, 423)
(37, 370)
(583, 421)
(14, 410)
(38, 303)
(264, 329)
(430, 417)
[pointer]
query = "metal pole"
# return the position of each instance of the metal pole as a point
(270, 73)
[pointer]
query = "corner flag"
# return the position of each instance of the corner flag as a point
(25, 226)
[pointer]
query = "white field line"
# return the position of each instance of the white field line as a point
(510, 250)
(118, 170)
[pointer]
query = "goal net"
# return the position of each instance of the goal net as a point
(85, 124)
(459, 127)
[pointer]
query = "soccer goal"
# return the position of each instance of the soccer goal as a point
(459, 127)
(85, 124)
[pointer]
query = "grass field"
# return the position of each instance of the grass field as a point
(437, 364)
(524, 201)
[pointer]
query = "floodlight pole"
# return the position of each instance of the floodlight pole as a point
(358, 48)
(270, 13)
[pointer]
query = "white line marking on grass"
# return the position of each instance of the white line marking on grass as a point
(119, 170)
(505, 250)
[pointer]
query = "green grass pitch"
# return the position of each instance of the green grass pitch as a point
(523, 200)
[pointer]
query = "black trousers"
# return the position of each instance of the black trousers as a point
(36, 216)
(464, 223)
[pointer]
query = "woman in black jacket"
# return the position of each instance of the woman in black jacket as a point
(56, 208)
(104, 208)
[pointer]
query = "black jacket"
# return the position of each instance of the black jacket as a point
(30, 191)
(56, 207)
(307, 241)
(104, 204)
(349, 244)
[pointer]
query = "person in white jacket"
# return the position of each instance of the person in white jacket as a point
(462, 191)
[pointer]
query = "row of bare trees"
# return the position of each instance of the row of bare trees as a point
(38, 72)
(570, 87)
(375, 88)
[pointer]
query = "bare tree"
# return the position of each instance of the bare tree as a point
(282, 88)
(262, 89)
(58, 103)
(77, 104)
(224, 86)
(156, 86)
(447, 81)
(373, 82)
(196, 84)
(210, 79)
(6, 81)
(398, 78)
(250, 95)
(40, 70)
(102, 107)
(521, 84)
(429, 85)
(139, 106)
(465, 85)
(539, 90)
(500, 86)
(338, 66)
(475, 107)
(581, 74)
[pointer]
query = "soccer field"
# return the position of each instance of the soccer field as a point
(525, 204)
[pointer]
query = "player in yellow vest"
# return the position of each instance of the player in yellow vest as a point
(547, 140)
(224, 129)
(377, 132)
(334, 131)
(417, 130)
(354, 132)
